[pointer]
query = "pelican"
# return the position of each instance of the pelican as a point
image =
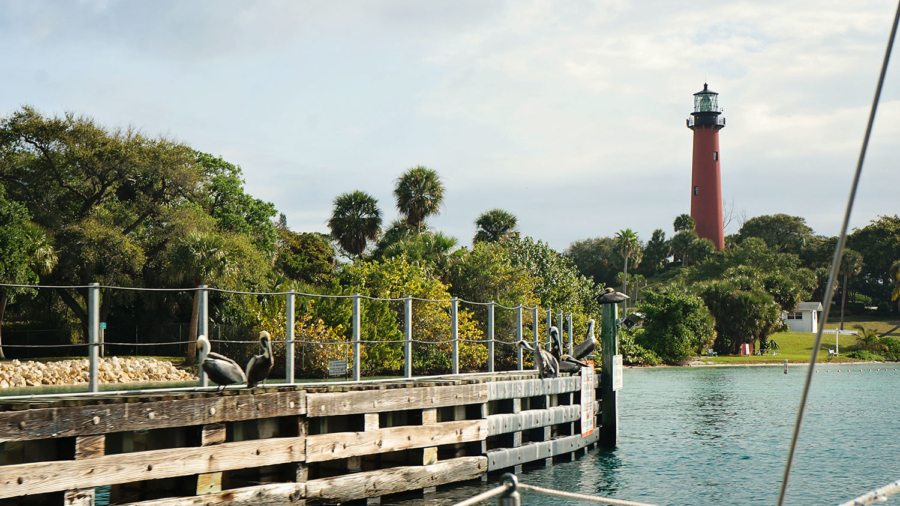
(219, 368)
(589, 344)
(610, 296)
(259, 366)
(567, 364)
(546, 363)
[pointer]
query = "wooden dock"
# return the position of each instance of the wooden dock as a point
(288, 445)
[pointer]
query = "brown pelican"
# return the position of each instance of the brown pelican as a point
(259, 366)
(219, 368)
(566, 363)
(589, 344)
(610, 296)
(546, 363)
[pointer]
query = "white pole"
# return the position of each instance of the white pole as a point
(203, 328)
(289, 336)
(836, 331)
(407, 329)
(454, 332)
(94, 335)
(356, 337)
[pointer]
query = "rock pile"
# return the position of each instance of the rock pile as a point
(71, 372)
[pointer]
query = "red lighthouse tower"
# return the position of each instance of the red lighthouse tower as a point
(706, 176)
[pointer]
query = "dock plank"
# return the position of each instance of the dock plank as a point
(42, 477)
(398, 399)
(395, 480)
(341, 445)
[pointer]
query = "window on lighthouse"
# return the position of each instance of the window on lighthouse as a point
(715, 155)
(696, 190)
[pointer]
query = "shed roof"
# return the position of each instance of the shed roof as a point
(809, 306)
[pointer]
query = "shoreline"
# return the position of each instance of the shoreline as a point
(698, 363)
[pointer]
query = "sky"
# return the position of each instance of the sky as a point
(570, 115)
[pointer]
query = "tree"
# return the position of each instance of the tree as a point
(199, 259)
(102, 196)
(420, 194)
(25, 251)
(684, 222)
(596, 259)
(867, 338)
(681, 246)
(628, 243)
(701, 250)
(354, 221)
(676, 325)
(432, 250)
(781, 232)
(307, 257)
(879, 243)
(851, 265)
(656, 253)
(895, 278)
(495, 225)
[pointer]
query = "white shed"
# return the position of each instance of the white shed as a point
(805, 318)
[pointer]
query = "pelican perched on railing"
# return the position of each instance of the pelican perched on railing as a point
(566, 362)
(589, 344)
(259, 366)
(219, 368)
(546, 363)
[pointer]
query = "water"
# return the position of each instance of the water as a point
(720, 435)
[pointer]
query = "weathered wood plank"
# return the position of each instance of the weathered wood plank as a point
(394, 480)
(532, 418)
(212, 434)
(79, 497)
(40, 477)
(104, 418)
(498, 390)
(371, 421)
(278, 494)
(398, 399)
(88, 447)
(339, 445)
(502, 459)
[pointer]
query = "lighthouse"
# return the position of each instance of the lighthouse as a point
(706, 175)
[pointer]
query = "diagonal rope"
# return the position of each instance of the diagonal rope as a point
(836, 260)
(580, 497)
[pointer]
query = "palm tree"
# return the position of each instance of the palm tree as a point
(495, 225)
(851, 265)
(199, 259)
(684, 222)
(628, 243)
(867, 338)
(419, 193)
(354, 221)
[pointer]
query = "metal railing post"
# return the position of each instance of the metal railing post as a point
(454, 332)
(571, 341)
(519, 336)
(534, 327)
(289, 336)
(203, 327)
(94, 335)
(407, 345)
(356, 336)
(549, 324)
(490, 360)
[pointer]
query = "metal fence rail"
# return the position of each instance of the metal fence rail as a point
(96, 345)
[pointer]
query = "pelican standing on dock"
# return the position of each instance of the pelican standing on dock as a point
(567, 364)
(259, 366)
(546, 363)
(589, 344)
(219, 368)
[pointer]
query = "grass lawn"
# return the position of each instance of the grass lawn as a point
(797, 347)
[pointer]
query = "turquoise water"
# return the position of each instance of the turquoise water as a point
(720, 435)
